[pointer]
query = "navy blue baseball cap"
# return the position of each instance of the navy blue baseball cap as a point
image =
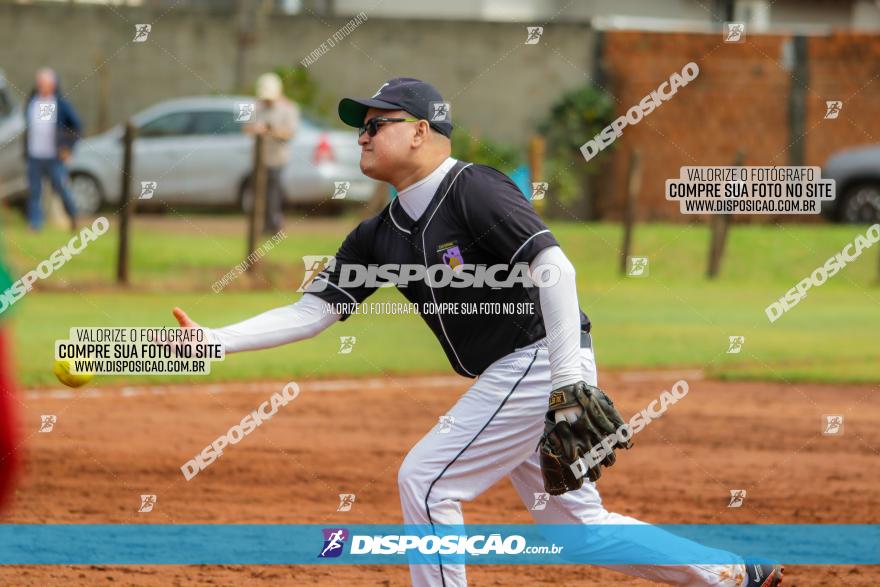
(419, 98)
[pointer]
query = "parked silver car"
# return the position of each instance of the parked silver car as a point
(856, 172)
(195, 151)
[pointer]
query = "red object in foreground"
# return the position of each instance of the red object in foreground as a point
(8, 422)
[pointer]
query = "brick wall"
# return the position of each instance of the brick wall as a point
(740, 100)
(843, 67)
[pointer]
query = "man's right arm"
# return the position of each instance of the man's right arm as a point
(304, 319)
(326, 300)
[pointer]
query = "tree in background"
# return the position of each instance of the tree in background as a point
(467, 146)
(299, 85)
(575, 118)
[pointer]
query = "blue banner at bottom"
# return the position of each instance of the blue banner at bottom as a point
(279, 544)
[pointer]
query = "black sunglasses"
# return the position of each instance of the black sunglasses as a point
(371, 127)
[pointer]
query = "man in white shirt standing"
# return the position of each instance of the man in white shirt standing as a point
(52, 129)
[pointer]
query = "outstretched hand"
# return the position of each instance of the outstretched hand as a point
(183, 320)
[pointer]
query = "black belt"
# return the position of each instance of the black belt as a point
(586, 340)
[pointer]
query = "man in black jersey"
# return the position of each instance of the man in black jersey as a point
(462, 238)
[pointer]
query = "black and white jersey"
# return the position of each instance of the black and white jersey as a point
(477, 221)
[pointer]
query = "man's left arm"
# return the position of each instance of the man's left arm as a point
(562, 322)
(70, 129)
(580, 418)
(72, 123)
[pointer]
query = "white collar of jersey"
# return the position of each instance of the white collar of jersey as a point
(416, 198)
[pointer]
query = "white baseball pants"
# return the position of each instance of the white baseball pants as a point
(493, 432)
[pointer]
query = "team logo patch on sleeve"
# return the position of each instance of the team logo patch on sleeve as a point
(450, 254)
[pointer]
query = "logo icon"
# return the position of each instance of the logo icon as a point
(539, 190)
(147, 503)
(245, 112)
(832, 109)
(533, 34)
(47, 112)
(451, 255)
(141, 32)
(440, 112)
(736, 343)
(541, 501)
(737, 497)
(833, 425)
(735, 32)
(446, 421)
(340, 189)
(379, 91)
(314, 265)
(334, 541)
(346, 344)
(47, 422)
(346, 500)
(148, 188)
(638, 266)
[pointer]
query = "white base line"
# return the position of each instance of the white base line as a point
(370, 383)
(659, 375)
(451, 382)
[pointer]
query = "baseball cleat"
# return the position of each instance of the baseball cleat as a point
(766, 575)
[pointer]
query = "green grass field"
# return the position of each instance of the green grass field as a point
(672, 318)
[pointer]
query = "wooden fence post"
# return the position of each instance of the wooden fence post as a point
(258, 205)
(126, 208)
(537, 148)
(719, 226)
(633, 187)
